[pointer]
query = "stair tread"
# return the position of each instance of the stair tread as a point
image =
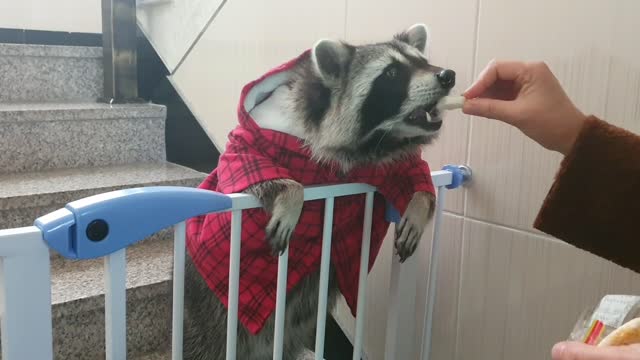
(148, 262)
(61, 111)
(48, 187)
(50, 50)
(166, 355)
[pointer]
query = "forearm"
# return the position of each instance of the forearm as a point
(594, 203)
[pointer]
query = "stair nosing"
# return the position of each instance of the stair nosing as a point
(78, 111)
(62, 51)
(44, 198)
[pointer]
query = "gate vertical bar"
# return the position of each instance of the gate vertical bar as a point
(179, 254)
(25, 304)
(400, 331)
(364, 270)
(119, 42)
(324, 278)
(433, 276)
(115, 302)
(281, 301)
(234, 283)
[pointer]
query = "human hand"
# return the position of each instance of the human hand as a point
(579, 351)
(529, 97)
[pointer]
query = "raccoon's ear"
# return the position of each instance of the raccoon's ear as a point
(331, 59)
(416, 36)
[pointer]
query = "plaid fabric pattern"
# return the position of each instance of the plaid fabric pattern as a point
(254, 155)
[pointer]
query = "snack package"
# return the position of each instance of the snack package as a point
(614, 321)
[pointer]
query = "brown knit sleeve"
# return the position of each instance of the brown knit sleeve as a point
(594, 202)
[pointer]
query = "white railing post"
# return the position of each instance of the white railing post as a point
(234, 283)
(281, 301)
(400, 331)
(25, 298)
(433, 276)
(364, 271)
(324, 277)
(115, 302)
(179, 254)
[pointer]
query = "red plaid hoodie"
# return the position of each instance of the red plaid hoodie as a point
(254, 155)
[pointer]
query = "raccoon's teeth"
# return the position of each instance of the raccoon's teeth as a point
(450, 103)
(426, 113)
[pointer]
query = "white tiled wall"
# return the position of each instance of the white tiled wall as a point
(247, 39)
(59, 15)
(505, 291)
(521, 292)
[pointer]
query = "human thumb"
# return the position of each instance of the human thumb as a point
(558, 351)
(581, 351)
(490, 108)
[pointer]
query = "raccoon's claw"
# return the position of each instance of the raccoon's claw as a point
(284, 218)
(278, 236)
(411, 227)
(407, 238)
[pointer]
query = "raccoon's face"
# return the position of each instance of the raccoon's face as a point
(373, 101)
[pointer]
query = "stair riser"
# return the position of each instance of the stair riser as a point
(33, 146)
(46, 75)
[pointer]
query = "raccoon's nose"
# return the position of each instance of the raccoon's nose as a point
(447, 78)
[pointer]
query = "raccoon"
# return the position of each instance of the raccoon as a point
(352, 106)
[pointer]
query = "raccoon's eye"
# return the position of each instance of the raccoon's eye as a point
(391, 73)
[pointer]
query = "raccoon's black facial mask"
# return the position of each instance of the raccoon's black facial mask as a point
(388, 93)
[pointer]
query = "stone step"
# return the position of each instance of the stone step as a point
(158, 355)
(78, 302)
(36, 73)
(61, 135)
(26, 196)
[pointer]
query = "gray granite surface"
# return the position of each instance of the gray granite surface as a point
(38, 145)
(36, 73)
(90, 52)
(74, 111)
(26, 196)
(148, 262)
(158, 355)
(166, 355)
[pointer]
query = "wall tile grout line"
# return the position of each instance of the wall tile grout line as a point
(456, 342)
(504, 227)
(346, 16)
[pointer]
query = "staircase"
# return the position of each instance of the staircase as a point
(58, 144)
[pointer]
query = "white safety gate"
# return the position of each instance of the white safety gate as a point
(105, 225)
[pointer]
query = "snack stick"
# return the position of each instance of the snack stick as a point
(627, 334)
(450, 103)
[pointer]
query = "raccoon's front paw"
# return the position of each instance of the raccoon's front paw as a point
(287, 207)
(411, 227)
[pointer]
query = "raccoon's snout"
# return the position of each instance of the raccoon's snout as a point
(447, 78)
